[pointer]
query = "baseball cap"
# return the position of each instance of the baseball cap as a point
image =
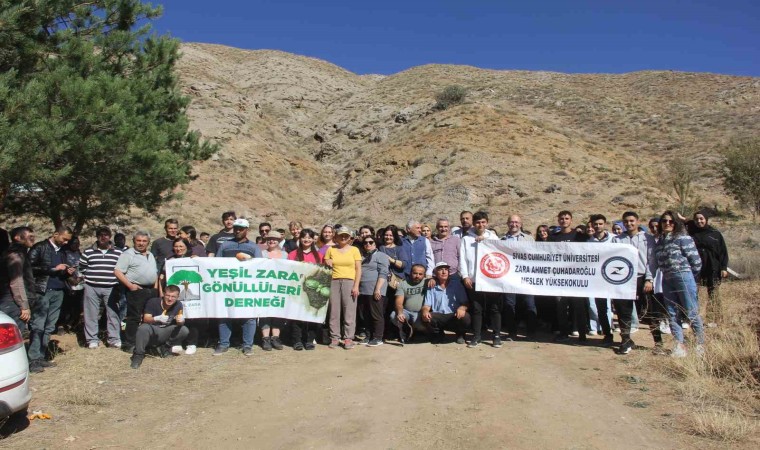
(441, 264)
(240, 223)
(274, 234)
(343, 230)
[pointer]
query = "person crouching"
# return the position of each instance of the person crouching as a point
(163, 324)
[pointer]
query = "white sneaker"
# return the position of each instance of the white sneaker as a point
(616, 330)
(678, 351)
(592, 333)
(115, 345)
(665, 327)
(177, 349)
(685, 326)
(92, 345)
(574, 334)
(190, 350)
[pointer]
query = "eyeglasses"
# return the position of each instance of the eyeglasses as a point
(369, 242)
(666, 221)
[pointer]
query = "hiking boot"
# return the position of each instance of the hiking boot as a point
(497, 342)
(375, 342)
(220, 350)
(136, 361)
(298, 346)
(266, 344)
(276, 342)
(334, 343)
(247, 351)
(348, 344)
(35, 367)
(45, 364)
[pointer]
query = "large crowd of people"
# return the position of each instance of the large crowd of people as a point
(403, 285)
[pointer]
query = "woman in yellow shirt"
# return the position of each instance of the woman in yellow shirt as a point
(346, 263)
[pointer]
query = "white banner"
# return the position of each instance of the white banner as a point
(259, 287)
(557, 269)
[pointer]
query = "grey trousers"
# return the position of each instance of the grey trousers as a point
(341, 303)
(93, 297)
(154, 335)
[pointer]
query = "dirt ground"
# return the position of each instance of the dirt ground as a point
(524, 395)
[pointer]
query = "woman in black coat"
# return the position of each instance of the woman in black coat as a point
(712, 249)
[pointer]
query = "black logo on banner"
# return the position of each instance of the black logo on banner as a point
(617, 270)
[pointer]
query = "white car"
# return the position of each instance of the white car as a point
(14, 369)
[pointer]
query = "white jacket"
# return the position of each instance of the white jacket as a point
(467, 260)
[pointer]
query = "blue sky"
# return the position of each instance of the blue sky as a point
(389, 36)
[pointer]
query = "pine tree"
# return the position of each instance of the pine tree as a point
(92, 121)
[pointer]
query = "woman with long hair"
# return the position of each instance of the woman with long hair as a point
(346, 263)
(678, 260)
(426, 231)
(542, 233)
(304, 333)
(196, 246)
(325, 240)
(270, 326)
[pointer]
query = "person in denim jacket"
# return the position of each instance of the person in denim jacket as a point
(678, 260)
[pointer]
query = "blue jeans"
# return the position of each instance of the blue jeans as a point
(225, 332)
(44, 317)
(680, 291)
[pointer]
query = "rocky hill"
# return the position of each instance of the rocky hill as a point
(305, 139)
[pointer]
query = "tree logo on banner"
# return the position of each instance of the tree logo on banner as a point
(494, 265)
(617, 270)
(185, 278)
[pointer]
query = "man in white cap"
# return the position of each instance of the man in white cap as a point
(241, 248)
(445, 306)
(240, 243)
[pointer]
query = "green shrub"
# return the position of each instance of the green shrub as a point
(449, 96)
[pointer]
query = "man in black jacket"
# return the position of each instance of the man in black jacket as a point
(50, 273)
(17, 289)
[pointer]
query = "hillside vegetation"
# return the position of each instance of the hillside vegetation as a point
(306, 139)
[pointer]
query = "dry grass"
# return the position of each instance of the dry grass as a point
(721, 390)
(722, 426)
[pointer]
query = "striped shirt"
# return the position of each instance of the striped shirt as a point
(97, 266)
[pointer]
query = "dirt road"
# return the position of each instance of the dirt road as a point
(524, 395)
